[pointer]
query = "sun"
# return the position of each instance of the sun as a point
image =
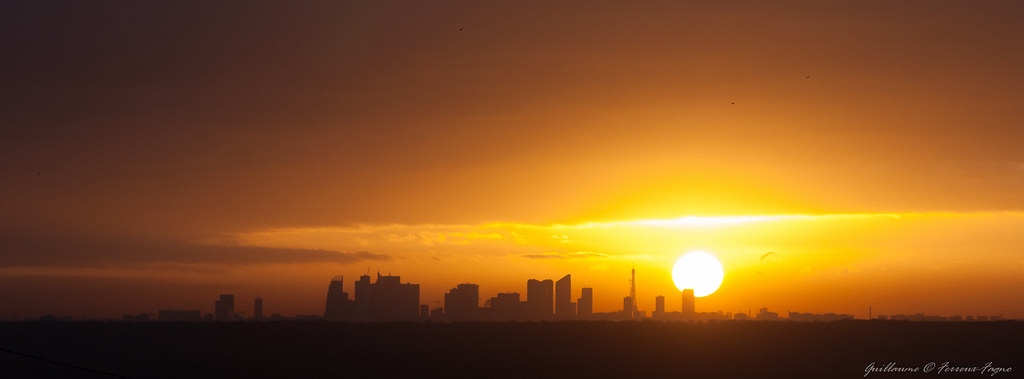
(699, 271)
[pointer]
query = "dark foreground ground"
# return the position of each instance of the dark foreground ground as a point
(543, 349)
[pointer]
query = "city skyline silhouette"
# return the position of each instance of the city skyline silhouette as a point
(520, 189)
(388, 299)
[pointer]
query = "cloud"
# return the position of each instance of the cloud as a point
(701, 221)
(359, 242)
(498, 238)
(104, 296)
(554, 255)
(561, 238)
(96, 251)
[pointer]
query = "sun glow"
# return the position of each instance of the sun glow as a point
(699, 271)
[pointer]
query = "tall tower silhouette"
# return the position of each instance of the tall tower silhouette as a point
(257, 311)
(632, 292)
(337, 300)
(689, 308)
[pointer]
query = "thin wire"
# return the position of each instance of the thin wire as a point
(62, 363)
(51, 370)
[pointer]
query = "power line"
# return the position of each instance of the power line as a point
(62, 363)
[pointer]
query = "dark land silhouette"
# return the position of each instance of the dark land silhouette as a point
(502, 349)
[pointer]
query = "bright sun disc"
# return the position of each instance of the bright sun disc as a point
(699, 271)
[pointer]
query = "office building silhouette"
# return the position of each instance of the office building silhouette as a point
(627, 307)
(540, 298)
(659, 304)
(338, 306)
(585, 304)
(564, 307)
(387, 299)
(461, 303)
(224, 308)
(257, 308)
(436, 314)
(506, 307)
(689, 306)
(764, 315)
(360, 299)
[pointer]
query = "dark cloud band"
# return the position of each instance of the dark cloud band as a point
(39, 251)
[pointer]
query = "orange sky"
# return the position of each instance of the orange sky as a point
(157, 155)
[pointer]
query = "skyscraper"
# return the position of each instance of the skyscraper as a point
(361, 297)
(659, 304)
(461, 303)
(564, 308)
(688, 303)
(627, 307)
(632, 293)
(257, 308)
(388, 299)
(224, 308)
(337, 307)
(585, 303)
(540, 298)
(506, 307)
